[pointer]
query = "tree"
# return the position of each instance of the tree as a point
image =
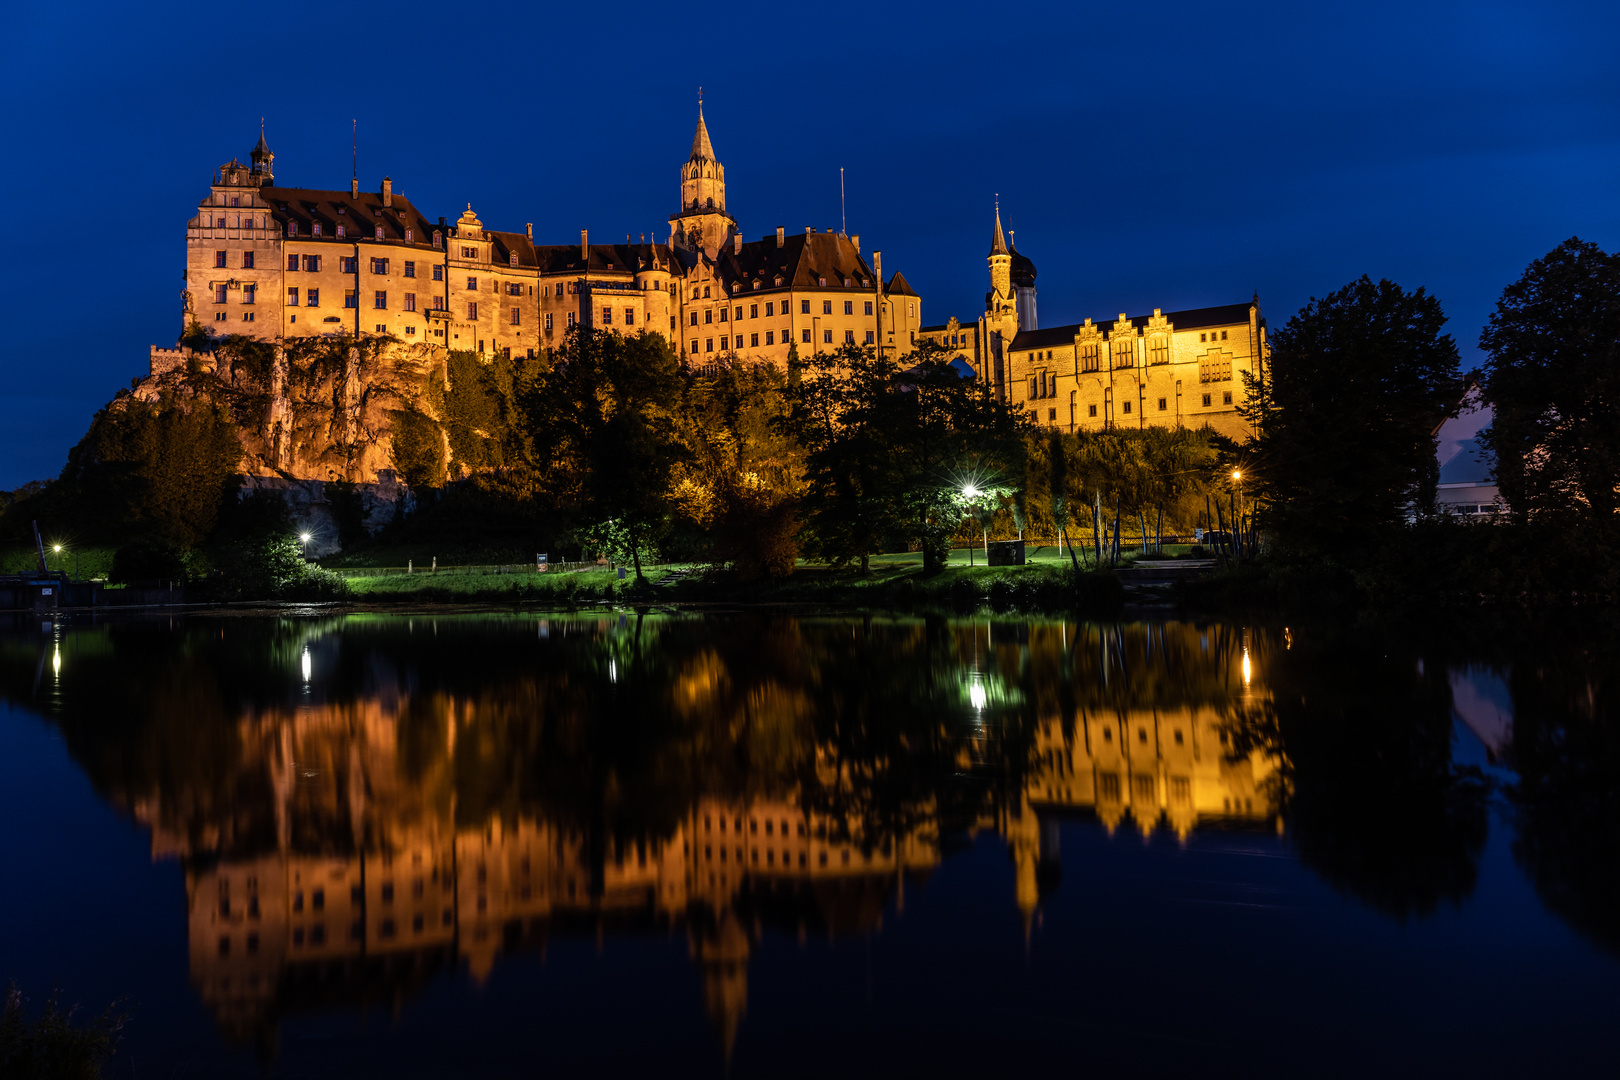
(1553, 382)
(1345, 415)
(605, 411)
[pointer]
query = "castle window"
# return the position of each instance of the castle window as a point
(1091, 410)
(705, 292)
(312, 264)
(869, 307)
(607, 316)
(753, 311)
(312, 298)
(1159, 351)
(770, 309)
(219, 294)
(869, 337)
(1088, 356)
(1034, 388)
(379, 266)
(410, 268)
(219, 223)
(710, 204)
(219, 260)
(804, 307)
(472, 311)
(1223, 335)
(1127, 408)
(559, 288)
(1226, 397)
(514, 289)
(514, 258)
(822, 281)
(770, 337)
(753, 341)
(849, 307)
(826, 337)
(724, 314)
(292, 297)
(1124, 352)
(722, 344)
(756, 284)
(468, 251)
(236, 201)
(694, 318)
(292, 262)
(340, 231)
(436, 303)
(410, 234)
(1051, 416)
(911, 309)
(1164, 404)
(315, 229)
(376, 232)
(708, 344)
(826, 307)
(779, 280)
(694, 345)
(1206, 401)
(349, 264)
(1202, 337)
(249, 292)
(410, 301)
(438, 238)
(708, 315)
(472, 284)
(806, 333)
(350, 300)
(292, 228)
(517, 320)
(548, 322)
(629, 316)
(438, 272)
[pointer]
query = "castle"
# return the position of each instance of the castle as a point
(277, 262)
(281, 263)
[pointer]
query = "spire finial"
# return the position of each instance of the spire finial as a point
(998, 242)
(700, 99)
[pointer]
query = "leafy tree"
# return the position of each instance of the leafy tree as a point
(606, 413)
(52, 1046)
(891, 449)
(1553, 382)
(1345, 414)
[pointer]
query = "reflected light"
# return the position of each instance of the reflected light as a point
(56, 658)
(1248, 672)
(976, 695)
(304, 664)
(613, 671)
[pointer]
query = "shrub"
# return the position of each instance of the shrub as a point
(146, 561)
(51, 1048)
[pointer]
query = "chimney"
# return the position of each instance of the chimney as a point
(388, 192)
(809, 230)
(354, 188)
(856, 240)
(585, 245)
(529, 228)
(781, 236)
(736, 244)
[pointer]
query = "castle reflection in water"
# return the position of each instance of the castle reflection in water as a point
(380, 802)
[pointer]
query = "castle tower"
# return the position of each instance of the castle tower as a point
(702, 223)
(263, 162)
(1000, 307)
(1023, 284)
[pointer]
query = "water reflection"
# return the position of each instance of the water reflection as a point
(361, 803)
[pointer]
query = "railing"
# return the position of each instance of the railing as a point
(470, 571)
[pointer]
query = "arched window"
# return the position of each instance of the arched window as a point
(711, 204)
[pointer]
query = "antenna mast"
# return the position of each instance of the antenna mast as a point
(354, 146)
(843, 219)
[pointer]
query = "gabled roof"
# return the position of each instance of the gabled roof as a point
(802, 262)
(360, 214)
(1191, 319)
(604, 258)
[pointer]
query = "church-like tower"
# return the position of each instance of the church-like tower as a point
(1000, 307)
(263, 161)
(702, 223)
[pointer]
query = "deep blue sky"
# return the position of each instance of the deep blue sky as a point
(1166, 155)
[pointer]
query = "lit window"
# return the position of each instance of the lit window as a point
(292, 297)
(312, 298)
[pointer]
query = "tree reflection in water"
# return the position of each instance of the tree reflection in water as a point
(362, 802)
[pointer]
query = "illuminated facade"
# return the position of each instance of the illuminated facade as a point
(279, 263)
(1167, 369)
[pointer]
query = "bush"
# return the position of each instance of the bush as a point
(147, 561)
(51, 1048)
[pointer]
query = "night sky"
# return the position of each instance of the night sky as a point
(1169, 155)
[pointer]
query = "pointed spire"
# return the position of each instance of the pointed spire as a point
(263, 147)
(702, 150)
(998, 243)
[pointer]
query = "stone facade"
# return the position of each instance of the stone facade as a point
(278, 263)
(1170, 369)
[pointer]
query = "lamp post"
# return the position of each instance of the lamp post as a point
(303, 543)
(971, 494)
(56, 549)
(1237, 524)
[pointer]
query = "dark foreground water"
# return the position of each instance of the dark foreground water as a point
(492, 846)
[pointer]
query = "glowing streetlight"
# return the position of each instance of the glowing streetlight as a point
(303, 538)
(1237, 475)
(57, 548)
(970, 492)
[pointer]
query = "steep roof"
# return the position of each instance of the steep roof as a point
(604, 258)
(899, 286)
(701, 148)
(998, 242)
(802, 261)
(1191, 319)
(361, 213)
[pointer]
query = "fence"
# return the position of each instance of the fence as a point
(471, 571)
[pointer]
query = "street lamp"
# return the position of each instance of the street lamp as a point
(970, 493)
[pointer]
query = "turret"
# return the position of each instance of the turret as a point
(702, 222)
(263, 171)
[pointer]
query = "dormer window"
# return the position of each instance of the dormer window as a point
(410, 234)
(340, 232)
(779, 280)
(292, 228)
(343, 210)
(377, 233)
(315, 229)
(438, 239)
(756, 283)
(514, 258)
